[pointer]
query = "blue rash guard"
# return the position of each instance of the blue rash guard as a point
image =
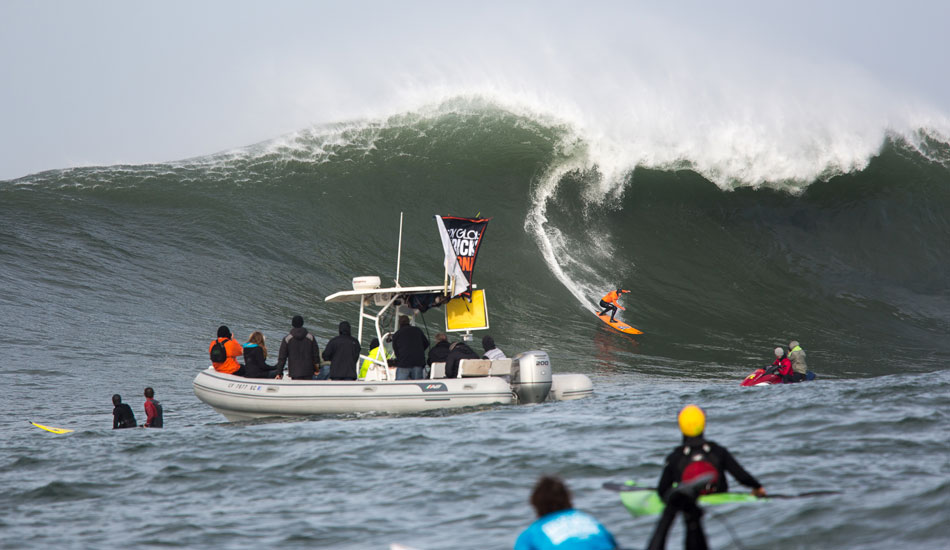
(566, 530)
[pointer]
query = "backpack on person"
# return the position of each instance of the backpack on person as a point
(218, 352)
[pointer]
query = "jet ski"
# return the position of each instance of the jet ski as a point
(766, 377)
(761, 377)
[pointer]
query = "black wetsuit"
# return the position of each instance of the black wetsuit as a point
(718, 456)
(122, 417)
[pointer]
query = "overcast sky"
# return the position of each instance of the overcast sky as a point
(105, 82)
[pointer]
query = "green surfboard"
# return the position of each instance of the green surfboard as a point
(644, 501)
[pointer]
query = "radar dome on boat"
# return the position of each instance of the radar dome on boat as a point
(365, 283)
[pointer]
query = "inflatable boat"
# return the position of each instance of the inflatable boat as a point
(525, 378)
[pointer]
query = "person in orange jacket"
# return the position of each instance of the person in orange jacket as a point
(232, 349)
(609, 302)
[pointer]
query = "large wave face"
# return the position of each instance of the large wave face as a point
(724, 263)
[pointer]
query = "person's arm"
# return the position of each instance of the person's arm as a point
(666, 479)
(316, 355)
(524, 541)
(264, 362)
(281, 357)
(731, 465)
(235, 350)
(115, 420)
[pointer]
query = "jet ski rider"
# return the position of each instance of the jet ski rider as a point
(782, 366)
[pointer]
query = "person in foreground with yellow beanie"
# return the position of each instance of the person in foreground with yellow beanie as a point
(698, 456)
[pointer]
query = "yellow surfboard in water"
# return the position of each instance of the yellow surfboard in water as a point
(50, 429)
(619, 325)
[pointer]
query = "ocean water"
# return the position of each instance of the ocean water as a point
(115, 278)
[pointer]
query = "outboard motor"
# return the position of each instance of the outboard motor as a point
(531, 376)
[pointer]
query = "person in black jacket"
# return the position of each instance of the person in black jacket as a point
(698, 456)
(342, 352)
(440, 350)
(457, 352)
(409, 345)
(122, 416)
(255, 358)
(299, 350)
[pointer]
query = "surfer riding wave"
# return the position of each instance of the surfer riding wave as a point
(610, 302)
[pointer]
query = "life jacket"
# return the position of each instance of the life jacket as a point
(785, 366)
(375, 353)
(611, 297)
(697, 461)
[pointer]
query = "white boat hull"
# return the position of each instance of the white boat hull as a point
(567, 387)
(239, 398)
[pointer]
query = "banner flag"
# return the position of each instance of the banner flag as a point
(461, 238)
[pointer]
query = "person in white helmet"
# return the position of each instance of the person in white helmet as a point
(781, 366)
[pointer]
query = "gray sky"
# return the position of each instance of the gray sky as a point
(106, 82)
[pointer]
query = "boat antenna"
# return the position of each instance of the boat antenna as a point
(399, 250)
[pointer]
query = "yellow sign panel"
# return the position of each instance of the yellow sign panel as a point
(460, 314)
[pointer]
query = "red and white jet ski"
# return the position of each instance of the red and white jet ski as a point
(760, 378)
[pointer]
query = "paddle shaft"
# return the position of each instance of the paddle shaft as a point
(622, 487)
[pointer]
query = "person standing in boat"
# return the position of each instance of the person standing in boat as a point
(698, 456)
(343, 351)
(610, 302)
(153, 410)
(491, 351)
(255, 358)
(300, 352)
(224, 352)
(122, 415)
(409, 345)
(559, 525)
